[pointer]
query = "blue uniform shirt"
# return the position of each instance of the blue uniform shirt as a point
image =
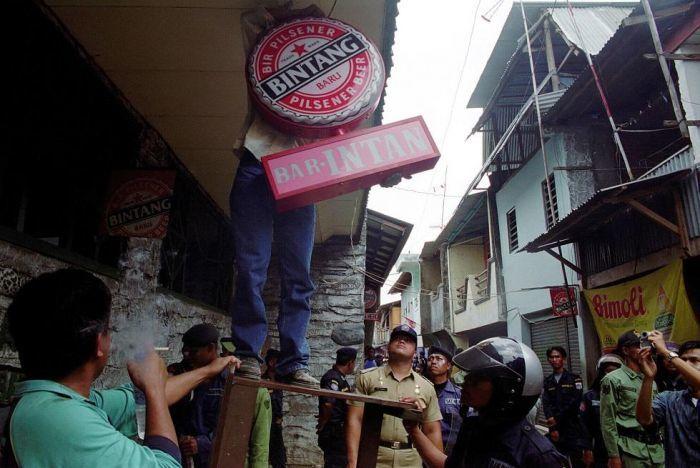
(449, 401)
(678, 415)
(198, 414)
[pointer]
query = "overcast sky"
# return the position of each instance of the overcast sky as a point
(430, 77)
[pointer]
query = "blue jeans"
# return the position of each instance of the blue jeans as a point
(254, 219)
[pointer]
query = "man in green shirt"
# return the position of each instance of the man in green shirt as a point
(58, 419)
(627, 442)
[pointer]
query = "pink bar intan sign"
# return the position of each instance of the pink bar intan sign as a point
(343, 164)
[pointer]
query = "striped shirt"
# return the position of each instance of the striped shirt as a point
(677, 413)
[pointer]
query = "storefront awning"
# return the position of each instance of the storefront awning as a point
(602, 206)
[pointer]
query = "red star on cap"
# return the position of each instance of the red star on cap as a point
(299, 49)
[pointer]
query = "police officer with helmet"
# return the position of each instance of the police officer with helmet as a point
(332, 412)
(503, 381)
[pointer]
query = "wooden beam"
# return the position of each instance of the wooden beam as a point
(233, 428)
(238, 407)
(676, 10)
(682, 32)
(372, 419)
(670, 56)
(657, 218)
(682, 225)
(565, 261)
(672, 92)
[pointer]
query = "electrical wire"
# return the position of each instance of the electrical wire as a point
(330, 12)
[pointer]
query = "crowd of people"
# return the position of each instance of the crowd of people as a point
(640, 411)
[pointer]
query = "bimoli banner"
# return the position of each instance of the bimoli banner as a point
(657, 301)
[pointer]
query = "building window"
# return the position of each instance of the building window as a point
(553, 206)
(512, 230)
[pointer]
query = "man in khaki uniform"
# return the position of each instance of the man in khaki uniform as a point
(627, 442)
(395, 381)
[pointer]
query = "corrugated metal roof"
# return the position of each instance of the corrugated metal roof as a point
(596, 24)
(595, 211)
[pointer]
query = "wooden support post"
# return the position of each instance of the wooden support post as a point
(565, 261)
(673, 94)
(369, 438)
(233, 429)
(551, 62)
(682, 225)
(238, 407)
(657, 218)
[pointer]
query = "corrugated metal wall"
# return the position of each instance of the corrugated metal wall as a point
(690, 194)
(555, 332)
(521, 144)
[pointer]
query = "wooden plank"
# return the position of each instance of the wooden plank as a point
(680, 219)
(659, 14)
(670, 56)
(383, 402)
(565, 261)
(369, 437)
(233, 428)
(657, 218)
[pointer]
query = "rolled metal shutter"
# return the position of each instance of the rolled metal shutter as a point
(555, 332)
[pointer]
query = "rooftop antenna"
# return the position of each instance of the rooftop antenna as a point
(488, 14)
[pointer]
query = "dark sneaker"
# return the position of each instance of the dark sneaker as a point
(250, 368)
(302, 378)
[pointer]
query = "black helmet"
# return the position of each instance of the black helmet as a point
(514, 370)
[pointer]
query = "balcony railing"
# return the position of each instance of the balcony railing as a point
(462, 296)
(481, 286)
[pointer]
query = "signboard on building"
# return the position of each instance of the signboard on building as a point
(370, 298)
(657, 301)
(409, 322)
(371, 304)
(563, 303)
(343, 164)
(138, 203)
(315, 77)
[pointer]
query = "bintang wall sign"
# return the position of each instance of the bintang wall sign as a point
(346, 163)
(138, 204)
(315, 77)
(563, 302)
(657, 301)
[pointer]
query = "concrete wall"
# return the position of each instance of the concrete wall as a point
(688, 78)
(430, 281)
(522, 270)
(411, 297)
(430, 273)
(479, 314)
(463, 259)
(337, 308)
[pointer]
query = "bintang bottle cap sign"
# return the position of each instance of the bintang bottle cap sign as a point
(315, 77)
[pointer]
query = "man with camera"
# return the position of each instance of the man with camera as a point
(675, 411)
(627, 442)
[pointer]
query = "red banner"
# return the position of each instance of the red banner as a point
(563, 304)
